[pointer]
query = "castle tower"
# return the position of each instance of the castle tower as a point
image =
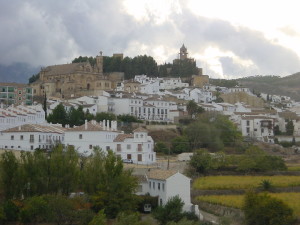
(99, 64)
(183, 54)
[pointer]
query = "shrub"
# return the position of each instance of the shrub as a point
(261, 209)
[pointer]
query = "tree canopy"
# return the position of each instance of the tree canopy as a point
(262, 209)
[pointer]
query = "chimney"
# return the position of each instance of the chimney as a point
(85, 125)
(107, 125)
(103, 125)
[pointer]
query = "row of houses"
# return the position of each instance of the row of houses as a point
(137, 146)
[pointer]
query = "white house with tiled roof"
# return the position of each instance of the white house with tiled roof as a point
(14, 116)
(167, 184)
(28, 137)
(137, 146)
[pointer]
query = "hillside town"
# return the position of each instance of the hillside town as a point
(156, 105)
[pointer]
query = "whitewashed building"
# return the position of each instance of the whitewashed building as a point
(167, 184)
(258, 127)
(137, 146)
(14, 116)
(172, 83)
(29, 137)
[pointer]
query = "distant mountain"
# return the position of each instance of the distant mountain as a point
(274, 85)
(17, 72)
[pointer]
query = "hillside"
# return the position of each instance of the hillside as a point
(288, 85)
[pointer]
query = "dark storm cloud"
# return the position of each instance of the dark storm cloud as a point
(51, 32)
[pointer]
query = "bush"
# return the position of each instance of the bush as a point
(180, 144)
(35, 210)
(11, 211)
(171, 211)
(161, 147)
(261, 209)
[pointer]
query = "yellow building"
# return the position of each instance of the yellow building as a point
(73, 80)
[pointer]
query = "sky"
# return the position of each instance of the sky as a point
(228, 39)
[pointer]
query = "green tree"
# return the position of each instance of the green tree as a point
(116, 191)
(63, 170)
(201, 161)
(34, 173)
(277, 130)
(171, 211)
(203, 135)
(193, 108)
(99, 219)
(180, 144)
(132, 219)
(61, 209)
(34, 78)
(58, 115)
(261, 209)
(35, 210)
(257, 160)
(92, 171)
(128, 119)
(105, 116)
(9, 175)
(161, 147)
(45, 105)
(229, 134)
(289, 127)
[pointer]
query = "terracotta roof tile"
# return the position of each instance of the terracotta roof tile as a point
(140, 129)
(160, 174)
(90, 127)
(122, 137)
(37, 128)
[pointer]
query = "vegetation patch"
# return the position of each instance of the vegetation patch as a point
(237, 201)
(243, 182)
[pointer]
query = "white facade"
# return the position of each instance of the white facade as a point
(172, 83)
(153, 109)
(14, 116)
(167, 184)
(258, 127)
(29, 137)
(137, 146)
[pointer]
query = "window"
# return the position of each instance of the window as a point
(12, 137)
(158, 186)
(80, 136)
(21, 137)
(248, 130)
(140, 157)
(150, 184)
(119, 148)
(31, 147)
(153, 185)
(140, 147)
(160, 202)
(31, 138)
(248, 123)
(107, 148)
(91, 146)
(163, 186)
(128, 146)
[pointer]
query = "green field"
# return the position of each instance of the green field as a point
(236, 201)
(243, 182)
